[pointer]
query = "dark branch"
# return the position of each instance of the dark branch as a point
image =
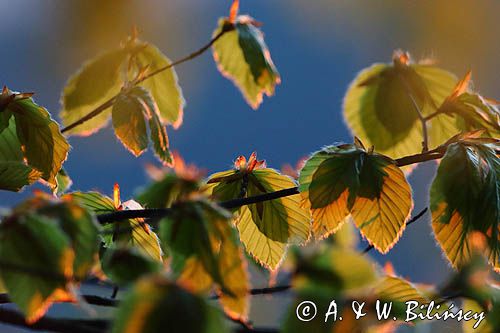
(158, 213)
(90, 299)
(60, 325)
(410, 221)
(101, 108)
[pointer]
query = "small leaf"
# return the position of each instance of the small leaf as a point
(37, 244)
(378, 107)
(155, 304)
(15, 175)
(95, 83)
(342, 181)
(126, 265)
(164, 87)
(265, 228)
(464, 199)
(242, 56)
(129, 123)
(64, 182)
(132, 232)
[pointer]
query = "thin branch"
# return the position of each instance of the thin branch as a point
(158, 213)
(90, 299)
(264, 291)
(410, 221)
(423, 122)
(61, 325)
(101, 108)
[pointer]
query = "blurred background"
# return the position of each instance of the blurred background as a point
(318, 47)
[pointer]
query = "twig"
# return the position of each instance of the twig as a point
(60, 325)
(423, 122)
(158, 213)
(90, 299)
(101, 108)
(264, 291)
(412, 220)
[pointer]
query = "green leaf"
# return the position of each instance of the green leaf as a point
(131, 232)
(343, 182)
(265, 228)
(129, 123)
(129, 112)
(378, 107)
(204, 250)
(43, 250)
(242, 56)
(43, 145)
(164, 87)
(78, 224)
(165, 191)
(464, 189)
(15, 175)
(155, 304)
(126, 265)
(474, 113)
(95, 83)
(64, 182)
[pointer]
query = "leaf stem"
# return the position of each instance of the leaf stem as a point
(101, 108)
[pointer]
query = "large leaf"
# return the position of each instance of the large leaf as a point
(96, 82)
(36, 244)
(132, 232)
(164, 87)
(342, 181)
(465, 198)
(155, 304)
(78, 224)
(265, 228)
(130, 110)
(242, 56)
(15, 175)
(204, 249)
(129, 123)
(32, 137)
(378, 106)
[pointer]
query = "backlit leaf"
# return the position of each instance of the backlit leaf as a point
(64, 182)
(132, 232)
(32, 137)
(464, 199)
(265, 228)
(204, 249)
(129, 123)
(379, 110)
(96, 82)
(15, 175)
(342, 182)
(242, 56)
(35, 243)
(155, 304)
(164, 87)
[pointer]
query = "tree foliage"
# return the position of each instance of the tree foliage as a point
(182, 241)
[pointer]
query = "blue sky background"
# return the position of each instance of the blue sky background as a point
(318, 47)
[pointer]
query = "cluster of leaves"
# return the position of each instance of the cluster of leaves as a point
(50, 244)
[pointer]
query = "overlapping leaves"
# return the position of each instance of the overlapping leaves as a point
(265, 228)
(31, 144)
(346, 182)
(158, 98)
(130, 112)
(379, 105)
(45, 244)
(131, 232)
(243, 56)
(204, 250)
(465, 198)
